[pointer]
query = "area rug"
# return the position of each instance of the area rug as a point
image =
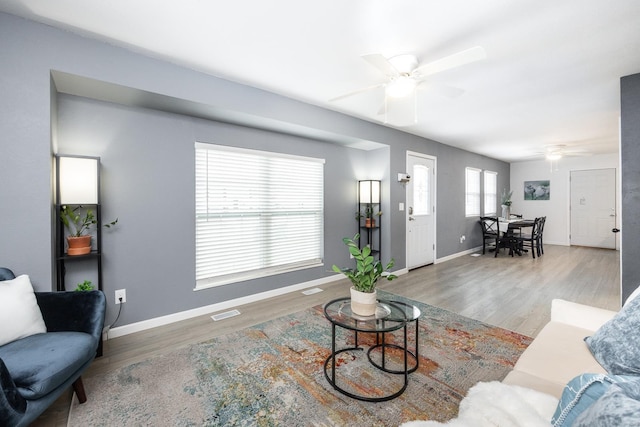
(272, 374)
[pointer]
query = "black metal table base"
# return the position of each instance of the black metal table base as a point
(332, 359)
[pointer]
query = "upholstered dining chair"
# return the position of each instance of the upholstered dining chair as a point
(47, 340)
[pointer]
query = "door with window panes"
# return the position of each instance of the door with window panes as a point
(420, 212)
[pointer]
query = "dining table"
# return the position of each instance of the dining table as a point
(510, 227)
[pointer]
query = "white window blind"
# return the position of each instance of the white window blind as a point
(257, 214)
(472, 192)
(490, 193)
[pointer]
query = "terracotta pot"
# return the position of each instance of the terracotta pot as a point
(363, 303)
(370, 223)
(79, 245)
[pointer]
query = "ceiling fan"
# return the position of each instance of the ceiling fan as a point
(405, 75)
(553, 154)
(556, 152)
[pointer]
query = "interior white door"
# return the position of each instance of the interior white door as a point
(593, 208)
(420, 210)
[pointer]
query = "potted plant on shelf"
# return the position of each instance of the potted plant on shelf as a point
(370, 221)
(505, 202)
(364, 277)
(84, 286)
(79, 225)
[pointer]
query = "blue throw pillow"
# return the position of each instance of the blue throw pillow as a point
(616, 345)
(579, 393)
(619, 406)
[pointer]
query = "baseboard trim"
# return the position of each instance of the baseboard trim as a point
(458, 254)
(208, 309)
(225, 305)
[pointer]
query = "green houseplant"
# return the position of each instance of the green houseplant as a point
(364, 276)
(79, 224)
(85, 286)
(505, 202)
(368, 214)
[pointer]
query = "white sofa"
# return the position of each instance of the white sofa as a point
(559, 352)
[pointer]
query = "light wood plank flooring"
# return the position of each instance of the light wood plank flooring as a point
(513, 293)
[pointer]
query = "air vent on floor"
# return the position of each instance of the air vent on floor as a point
(225, 315)
(312, 291)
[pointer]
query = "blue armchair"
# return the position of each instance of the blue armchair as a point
(36, 370)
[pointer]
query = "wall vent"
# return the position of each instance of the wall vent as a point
(225, 315)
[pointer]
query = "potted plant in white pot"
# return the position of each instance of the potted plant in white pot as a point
(79, 225)
(364, 277)
(505, 202)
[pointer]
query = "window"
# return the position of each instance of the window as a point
(472, 192)
(422, 183)
(257, 214)
(490, 193)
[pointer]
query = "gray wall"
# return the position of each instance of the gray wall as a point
(147, 171)
(630, 170)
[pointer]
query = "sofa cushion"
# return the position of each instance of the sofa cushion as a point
(619, 406)
(558, 354)
(523, 379)
(616, 345)
(40, 363)
(20, 315)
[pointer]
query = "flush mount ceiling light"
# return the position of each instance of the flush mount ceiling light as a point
(554, 156)
(401, 86)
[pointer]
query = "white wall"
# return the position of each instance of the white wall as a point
(556, 209)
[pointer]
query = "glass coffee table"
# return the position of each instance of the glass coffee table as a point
(390, 316)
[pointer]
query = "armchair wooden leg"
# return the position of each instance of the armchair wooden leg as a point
(78, 387)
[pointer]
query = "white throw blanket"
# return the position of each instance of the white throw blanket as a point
(495, 404)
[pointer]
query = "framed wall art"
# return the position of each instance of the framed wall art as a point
(537, 190)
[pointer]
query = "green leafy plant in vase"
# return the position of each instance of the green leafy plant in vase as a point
(364, 277)
(505, 202)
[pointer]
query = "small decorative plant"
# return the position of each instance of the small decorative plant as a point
(368, 215)
(506, 197)
(78, 224)
(367, 271)
(85, 286)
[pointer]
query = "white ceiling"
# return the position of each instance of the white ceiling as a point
(551, 75)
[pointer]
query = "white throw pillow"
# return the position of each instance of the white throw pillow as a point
(20, 314)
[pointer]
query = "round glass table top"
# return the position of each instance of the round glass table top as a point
(389, 315)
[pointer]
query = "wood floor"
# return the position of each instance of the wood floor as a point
(513, 293)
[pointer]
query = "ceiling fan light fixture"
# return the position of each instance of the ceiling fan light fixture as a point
(401, 86)
(554, 156)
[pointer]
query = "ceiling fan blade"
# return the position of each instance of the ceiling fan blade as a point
(381, 63)
(356, 92)
(452, 61)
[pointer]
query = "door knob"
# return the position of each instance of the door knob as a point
(616, 230)
(411, 218)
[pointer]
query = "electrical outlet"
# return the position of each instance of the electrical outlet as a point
(463, 238)
(121, 293)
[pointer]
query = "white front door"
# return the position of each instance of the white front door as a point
(593, 208)
(420, 210)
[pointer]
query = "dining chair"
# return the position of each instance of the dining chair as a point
(531, 240)
(540, 233)
(490, 231)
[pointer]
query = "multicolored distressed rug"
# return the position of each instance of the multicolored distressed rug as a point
(272, 374)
